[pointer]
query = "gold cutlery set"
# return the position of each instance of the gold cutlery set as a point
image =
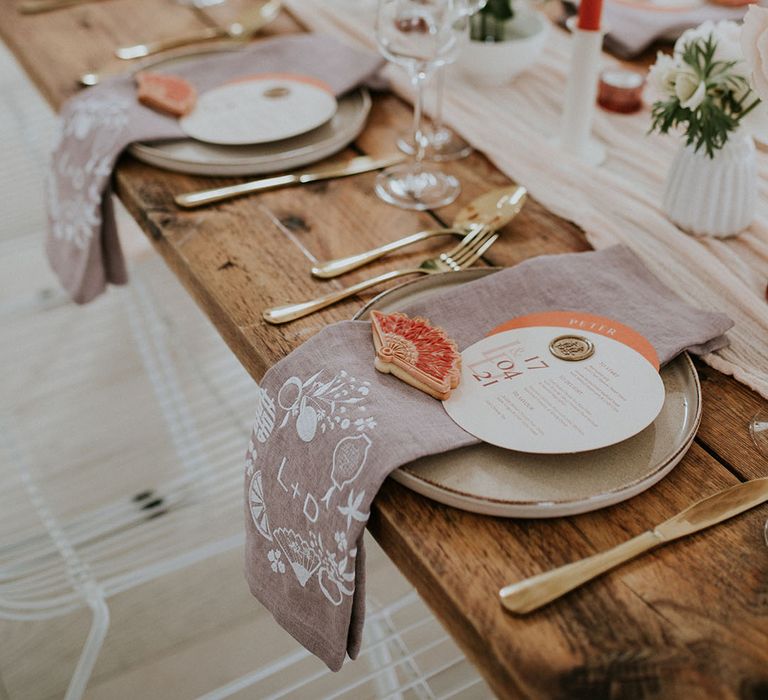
(478, 223)
(468, 251)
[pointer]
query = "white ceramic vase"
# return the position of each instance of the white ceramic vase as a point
(713, 196)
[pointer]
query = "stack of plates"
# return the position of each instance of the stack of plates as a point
(495, 481)
(262, 125)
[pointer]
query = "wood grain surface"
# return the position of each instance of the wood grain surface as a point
(689, 620)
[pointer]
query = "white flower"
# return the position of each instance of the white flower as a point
(754, 45)
(689, 89)
(661, 77)
(727, 35)
(728, 47)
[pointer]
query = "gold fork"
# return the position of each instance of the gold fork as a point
(471, 247)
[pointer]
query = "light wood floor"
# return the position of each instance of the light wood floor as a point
(93, 417)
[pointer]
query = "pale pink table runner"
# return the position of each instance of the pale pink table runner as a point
(96, 125)
(330, 428)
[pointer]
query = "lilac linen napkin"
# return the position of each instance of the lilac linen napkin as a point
(82, 245)
(632, 28)
(330, 428)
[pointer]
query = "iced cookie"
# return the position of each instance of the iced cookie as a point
(416, 352)
(166, 93)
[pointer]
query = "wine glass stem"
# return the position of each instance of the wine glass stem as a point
(419, 139)
(437, 121)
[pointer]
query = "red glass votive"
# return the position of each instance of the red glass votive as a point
(621, 90)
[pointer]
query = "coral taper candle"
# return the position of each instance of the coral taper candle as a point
(590, 12)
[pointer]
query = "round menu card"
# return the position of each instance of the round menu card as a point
(261, 109)
(551, 389)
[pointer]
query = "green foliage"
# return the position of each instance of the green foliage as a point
(498, 9)
(489, 24)
(728, 99)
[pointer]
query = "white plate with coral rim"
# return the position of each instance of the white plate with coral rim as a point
(260, 109)
(493, 481)
(194, 157)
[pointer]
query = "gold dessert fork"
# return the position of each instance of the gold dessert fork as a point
(492, 210)
(250, 23)
(471, 247)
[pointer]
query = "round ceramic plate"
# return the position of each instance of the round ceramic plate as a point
(494, 481)
(261, 109)
(198, 158)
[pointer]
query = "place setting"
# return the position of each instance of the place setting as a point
(545, 406)
(206, 113)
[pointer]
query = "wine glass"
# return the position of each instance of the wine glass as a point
(758, 429)
(444, 144)
(418, 35)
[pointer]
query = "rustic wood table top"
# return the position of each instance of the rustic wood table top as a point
(688, 620)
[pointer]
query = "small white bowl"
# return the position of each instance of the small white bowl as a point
(496, 63)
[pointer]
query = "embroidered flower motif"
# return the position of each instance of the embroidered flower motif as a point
(274, 556)
(341, 541)
(365, 424)
(351, 510)
(78, 176)
(318, 405)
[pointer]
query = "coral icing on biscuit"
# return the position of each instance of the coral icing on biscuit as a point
(166, 93)
(416, 352)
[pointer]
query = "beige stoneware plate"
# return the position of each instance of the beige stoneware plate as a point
(199, 158)
(494, 481)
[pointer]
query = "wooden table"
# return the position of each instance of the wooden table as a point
(690, 620)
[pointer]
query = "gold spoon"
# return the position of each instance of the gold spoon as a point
(253, 20)
(491, 210)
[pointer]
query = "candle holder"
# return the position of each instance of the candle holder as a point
(581, 96)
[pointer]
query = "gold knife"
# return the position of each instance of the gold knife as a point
(362, 164)
(534, 592)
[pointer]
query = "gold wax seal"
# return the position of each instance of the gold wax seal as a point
(277, 91)
(572, 347)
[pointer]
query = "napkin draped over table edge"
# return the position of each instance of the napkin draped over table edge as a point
(97, 125)
(329, 428)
